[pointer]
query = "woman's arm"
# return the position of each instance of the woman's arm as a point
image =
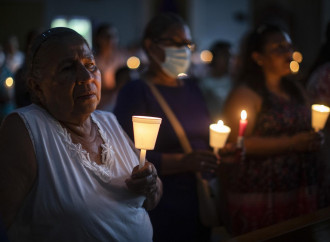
(18, 166)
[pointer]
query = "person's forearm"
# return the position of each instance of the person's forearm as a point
(268, 146)
(154, 198)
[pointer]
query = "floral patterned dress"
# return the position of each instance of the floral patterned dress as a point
(264, 190)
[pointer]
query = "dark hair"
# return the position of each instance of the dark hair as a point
(324, 52)
(33, 62)
(100, 31)
(219, 48)
(251, 74)
(160, 24)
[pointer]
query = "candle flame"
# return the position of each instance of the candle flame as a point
(220, 123)
(243, 115)
(320, 108)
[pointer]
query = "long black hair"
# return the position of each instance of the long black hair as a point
(251, 74)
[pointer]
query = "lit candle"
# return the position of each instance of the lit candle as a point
(145, 134)
(218, 135)
(242, 126)
(320, 115)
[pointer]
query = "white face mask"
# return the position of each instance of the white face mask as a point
(177, 60)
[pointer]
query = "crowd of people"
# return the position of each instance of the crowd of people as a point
(70, 170)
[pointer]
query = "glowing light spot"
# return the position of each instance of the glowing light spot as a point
(182, 75)
(206, 56)
(9, 82)
(133, 62)
(297, 56)
(243, 115)
(294, 66)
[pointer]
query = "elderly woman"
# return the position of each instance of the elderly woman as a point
(68, 172)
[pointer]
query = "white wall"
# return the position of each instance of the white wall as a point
(212, 20)
(124, 14)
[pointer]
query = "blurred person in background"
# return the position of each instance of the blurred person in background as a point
(278, 178)
(167, 42)
(14, 57)
(22, 96)
(217, 84)
(109, 57)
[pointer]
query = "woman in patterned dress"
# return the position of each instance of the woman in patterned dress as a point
(277, 179)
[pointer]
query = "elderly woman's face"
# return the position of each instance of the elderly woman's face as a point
(70, 83)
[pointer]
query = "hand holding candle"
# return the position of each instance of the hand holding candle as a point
(242, 126)
(320, 115)
(218, 135)
(145, 134)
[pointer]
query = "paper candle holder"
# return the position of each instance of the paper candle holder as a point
(320, 115)
(145, 131)
(218, 135)
(145, 134)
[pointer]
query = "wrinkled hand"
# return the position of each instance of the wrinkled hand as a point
(308, 141)
(200, 161)
(231, 154)
(143, 181)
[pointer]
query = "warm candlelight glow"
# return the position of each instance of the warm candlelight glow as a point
(145, 134)
(297, 56)
(218, 135)
(182, 75)
(206, 56)
(294, 66)
(320, 115)
(9, 82)
(243, 115)
(133, 62)
(145, 131)
(242, 126)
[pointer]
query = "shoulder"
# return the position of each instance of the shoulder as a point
(15, 140)
(243, 97)
(244, 92)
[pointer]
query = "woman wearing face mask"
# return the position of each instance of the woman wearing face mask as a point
(167, 42)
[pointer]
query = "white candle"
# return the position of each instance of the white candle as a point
(320, 115)
(218, 135)
(145, 134)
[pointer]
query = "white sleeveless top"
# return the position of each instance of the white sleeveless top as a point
(74, 199)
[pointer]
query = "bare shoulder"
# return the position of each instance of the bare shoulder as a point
(18, 166)
(244, 91)
(15, 142)
(245, 96)
(14, 129)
